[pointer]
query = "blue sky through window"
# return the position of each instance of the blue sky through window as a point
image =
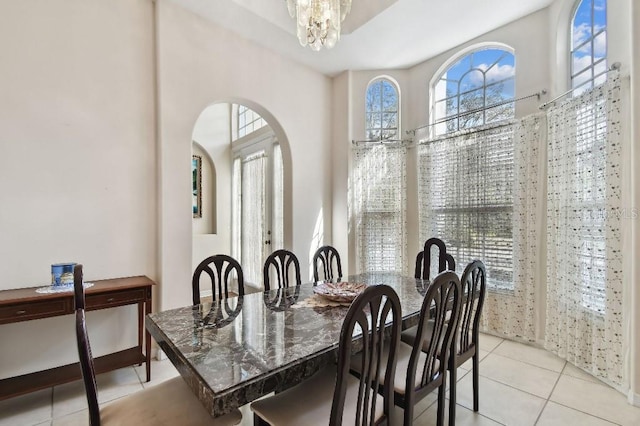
(589, 44)
(479, 80)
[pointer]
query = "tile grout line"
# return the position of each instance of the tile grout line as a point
(566, 406)
(526, 362)
(53, 388)
(512, 387)
(546, 402)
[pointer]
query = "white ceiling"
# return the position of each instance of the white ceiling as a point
(377, 34)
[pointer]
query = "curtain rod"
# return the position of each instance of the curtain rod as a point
(459, 133)
(613, 67)
(473, 111)
(382, 141)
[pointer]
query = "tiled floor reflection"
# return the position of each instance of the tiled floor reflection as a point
(519, 385)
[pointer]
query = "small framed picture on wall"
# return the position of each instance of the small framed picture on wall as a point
(196, 173)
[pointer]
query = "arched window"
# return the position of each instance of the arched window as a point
(475, 90)
(382, 111)
(588, 45)
(248, 121)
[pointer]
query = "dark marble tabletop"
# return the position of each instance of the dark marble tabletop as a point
(235, 351)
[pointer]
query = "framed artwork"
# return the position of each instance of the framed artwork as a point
(196, 177)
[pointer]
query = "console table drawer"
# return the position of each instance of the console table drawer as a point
(35, 310)
(116, 298)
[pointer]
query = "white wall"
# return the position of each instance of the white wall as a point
(212, 133)
(85, 176)
(201, 64)
(77, 162)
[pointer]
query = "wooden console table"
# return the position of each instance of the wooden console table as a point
(25, 304)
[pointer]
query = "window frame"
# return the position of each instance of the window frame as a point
(252, 121)
(590, 40)
(440, 124)
(380, 130)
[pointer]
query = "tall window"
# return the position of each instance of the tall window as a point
(378, 183)
(248, 121)
(378, 186)
(589, 45)
(476, 90)
(381, 109)
(465, 196)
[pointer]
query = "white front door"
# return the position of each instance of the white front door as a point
(257, 206)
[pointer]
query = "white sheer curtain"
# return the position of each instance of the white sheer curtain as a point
(252, 217)
(584, 252)
(378, 191)
(478, 191)
(277, 226)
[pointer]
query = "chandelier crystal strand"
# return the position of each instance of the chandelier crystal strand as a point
(318, 21)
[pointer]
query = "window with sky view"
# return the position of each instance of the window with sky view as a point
(474, 91)
(589, 45)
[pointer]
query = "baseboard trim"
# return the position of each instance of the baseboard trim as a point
(634, 399)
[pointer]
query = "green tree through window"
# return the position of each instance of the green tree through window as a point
(475, 90)
(381, 110)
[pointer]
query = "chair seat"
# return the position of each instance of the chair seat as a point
(168, 403)
(309, 403)
(403, 354)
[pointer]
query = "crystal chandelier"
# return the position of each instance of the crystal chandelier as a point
(318, 21)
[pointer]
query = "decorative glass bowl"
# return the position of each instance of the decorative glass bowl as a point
(339, 292)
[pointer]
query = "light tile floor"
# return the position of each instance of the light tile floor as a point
(519, 385)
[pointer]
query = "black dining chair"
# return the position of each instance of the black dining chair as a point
(474, 288)
(422, 366)
(220, 268)
(281, 263)
(168, 403)
(333, 393)
(465, 346)
(423, 264)
(326, 260)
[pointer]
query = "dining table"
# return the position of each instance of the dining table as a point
(233, 351)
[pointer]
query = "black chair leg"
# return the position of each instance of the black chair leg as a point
(441, 401)
(259, 421)
(452, 396)
(408, 413)
(476, 379)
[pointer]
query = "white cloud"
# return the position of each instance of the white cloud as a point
(581, 33)
(600, 5)
(580, 63)
(496, 73)
(600, 45)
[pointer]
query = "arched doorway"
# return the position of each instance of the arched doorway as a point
(250, 155)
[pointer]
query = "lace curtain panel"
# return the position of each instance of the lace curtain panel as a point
(378, 206)
(478, 192)
(584, 321)
(252, 217)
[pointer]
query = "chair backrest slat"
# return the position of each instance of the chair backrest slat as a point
(474, 287)
(423, 259)
(223, 267)
(369, 311)
(326, 257)
(441, 305)
(84, 348)
(281, 262)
